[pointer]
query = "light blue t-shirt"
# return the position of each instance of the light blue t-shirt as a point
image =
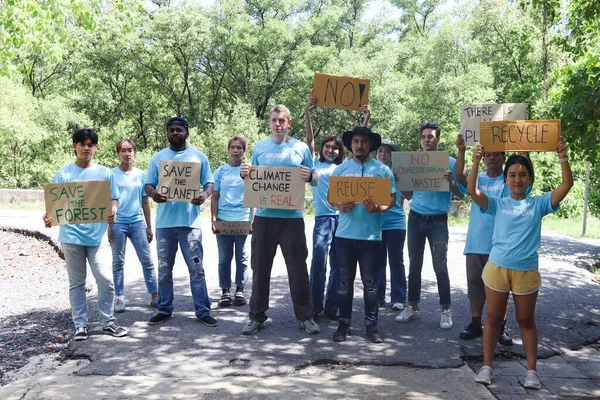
(172, 214)
(435, 203)
(359, 224)
(395, 217)
(322, 206)
(131, 187)
(93, 234)
(518, 230)
(269, 153)
(230, 186)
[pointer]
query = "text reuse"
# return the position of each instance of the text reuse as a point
(537, 135)
(420, 170)
(78, 202)
(472, 115)
(179, 180)
(357, 188)
(274, 187)
(342, 92)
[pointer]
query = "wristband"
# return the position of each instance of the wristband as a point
(563, 160)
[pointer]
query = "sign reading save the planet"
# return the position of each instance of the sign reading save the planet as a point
(78, 202)
(343, 92)
(536, 135)
(274, 187)
(421, 170)
(358, 188)
(179, 180)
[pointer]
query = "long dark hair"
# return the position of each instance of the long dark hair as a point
(519, 159)
(340, 145)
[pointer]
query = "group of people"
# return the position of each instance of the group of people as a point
(501, 249)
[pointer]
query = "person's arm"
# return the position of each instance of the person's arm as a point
(114, 205)
(148, 218)
(311, 102)
(153, 193)
(214, 206)
(47, 221)
(461, 176)
(478, 196)
(366, 110)
(375, 208)
(562, 190)
(208, 189)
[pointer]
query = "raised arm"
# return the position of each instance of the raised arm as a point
(561, 191)
(460, 161)
(478, 197)
(366, 111)
(311, 102)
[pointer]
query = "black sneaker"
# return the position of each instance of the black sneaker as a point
(503, 336)
(343, 330)
(81, 333)
(472, 331)
(225, 300)
(239, 298)
(159, 319)
(332, 314)
(372, 334)
(113, 330)
(208, 320)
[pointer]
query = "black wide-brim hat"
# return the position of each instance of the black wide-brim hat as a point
(361, 130)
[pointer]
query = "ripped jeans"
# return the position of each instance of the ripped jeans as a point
(190, 241)
(366, 253)
(435, 230)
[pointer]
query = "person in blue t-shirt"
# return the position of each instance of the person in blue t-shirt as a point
(227, 205)
(513, 261)
(178, 222)
(358, 237)
(428, 219)
(130, 224)
(326, 218)
(88, 242)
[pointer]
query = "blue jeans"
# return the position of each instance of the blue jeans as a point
(226, 244)
(98, 258)
(392, 246)
(366, 253)
(323, 234)
(435, 230)
(136, 232)
(190, 241)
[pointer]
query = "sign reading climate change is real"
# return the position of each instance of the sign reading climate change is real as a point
(342, 92)
(472, 115)
(78, 202)
(179, 180)
(421, 170)
(274, 187)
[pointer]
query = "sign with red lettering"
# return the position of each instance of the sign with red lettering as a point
(472, 115)
(421, 170)
(232, 227)
(78, 202)
(274, 187)
(358, 188)
(179, 180)
(343, 92)
(537, 135)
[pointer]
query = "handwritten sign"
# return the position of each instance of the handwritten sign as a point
(78, 202)
(274, 187)
(343, 92)
(179, 180)
(472, 115)
(538, 135)
(421, 170)
(357, 188)
(232, 227)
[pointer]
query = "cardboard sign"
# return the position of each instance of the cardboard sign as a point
(472, 115)
(421, 170)
(232, 227)
(343, 92)
(78, 202)
(357, 188)
(179, 180)
(274, 187)
(538, 135)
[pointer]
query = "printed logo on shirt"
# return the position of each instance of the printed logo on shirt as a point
(516, 212)
(129, 184)
(278, 155)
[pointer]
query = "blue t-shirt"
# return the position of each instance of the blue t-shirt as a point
(359, 224)
(435, 203)
(269, 153)
(518, 230)
(131, 187)
(322, 206)
(395, 217)
(93, 234)
(230, 186)
(172, 214)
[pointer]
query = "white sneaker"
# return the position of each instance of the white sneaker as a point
(398, 306)
(532, 380)
(446, 320)
(119, 303)
(407, 314)
(484, 375)
(310, 326)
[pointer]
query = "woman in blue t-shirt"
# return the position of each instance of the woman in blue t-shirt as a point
(513, 262)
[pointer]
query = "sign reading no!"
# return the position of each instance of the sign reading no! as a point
(342, 92)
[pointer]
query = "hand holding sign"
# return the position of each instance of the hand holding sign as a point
(179, 181)
(537, 135)
(78, 203)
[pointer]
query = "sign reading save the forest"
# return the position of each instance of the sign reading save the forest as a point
(78, 202)
(232, 227)
(420, 170)
(358, 188)
(179, 180)
(472, 115)
(537, 135)
(274, 187)
(343, 92)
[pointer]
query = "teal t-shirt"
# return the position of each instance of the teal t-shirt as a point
(172, 214)
(322, 207)
(230, 186)
(434, 203)
(395, 217)
(93, 234)
(131, 187)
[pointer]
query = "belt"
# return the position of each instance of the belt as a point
(428, 217)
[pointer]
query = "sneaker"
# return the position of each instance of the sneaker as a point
(446, 320)
(484, 375)
(408, 314)
(342, 331)
(225, 300)
(310, 326)
(532, 380)
(252, 327)
(119, 304)
(239, 299)
(398, 306)
(332, 315)
(154, 302)
(380, 303)
(159, 318)
(472, 331)
(113, 330)
(504, 337)
(208, 320)
(373, 335)
(81, 333)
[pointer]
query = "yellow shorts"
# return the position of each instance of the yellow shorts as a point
(506, 280)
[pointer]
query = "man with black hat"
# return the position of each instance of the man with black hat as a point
(358, 237)
(179, 223)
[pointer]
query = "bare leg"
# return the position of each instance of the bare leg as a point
(496, 307)
(525, 311)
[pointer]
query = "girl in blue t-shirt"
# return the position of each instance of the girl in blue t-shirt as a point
(513, 261)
